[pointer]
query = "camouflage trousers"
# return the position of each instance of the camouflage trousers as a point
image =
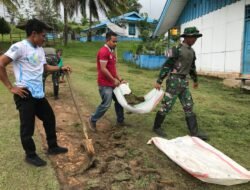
(55, 80)
(177, 86)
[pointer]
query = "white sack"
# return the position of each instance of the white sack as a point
(151, 99)
(202, 160)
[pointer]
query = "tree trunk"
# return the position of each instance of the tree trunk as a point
(90, 24)
(65, 34)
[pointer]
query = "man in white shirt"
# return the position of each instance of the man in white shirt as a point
(29, 63)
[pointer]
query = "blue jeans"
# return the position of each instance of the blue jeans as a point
(107, 95)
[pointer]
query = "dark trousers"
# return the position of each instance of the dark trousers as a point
(28, 108)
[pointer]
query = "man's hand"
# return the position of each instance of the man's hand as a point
(116, 82)
(123, 81)
(66, 69)
(19, 91)
(157, 86)
(195, 85)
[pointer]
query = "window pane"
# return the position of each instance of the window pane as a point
(132, 29)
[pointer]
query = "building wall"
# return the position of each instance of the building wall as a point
(220, 49)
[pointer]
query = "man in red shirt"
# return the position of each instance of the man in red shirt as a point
(108, 79)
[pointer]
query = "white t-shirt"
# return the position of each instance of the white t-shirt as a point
(28, 65)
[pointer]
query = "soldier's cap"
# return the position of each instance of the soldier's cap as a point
(23, 25)
(191, 32)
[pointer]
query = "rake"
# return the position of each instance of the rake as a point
(87, 143)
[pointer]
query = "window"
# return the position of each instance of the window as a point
(131, 29)
(247, 12)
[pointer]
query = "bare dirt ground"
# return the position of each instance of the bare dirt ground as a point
(111, 168)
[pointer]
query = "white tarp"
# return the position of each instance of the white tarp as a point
(116, 29)
(202, 160)
(151, 99)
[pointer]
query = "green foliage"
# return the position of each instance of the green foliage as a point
(11, 5)
(156, 46)
(5, 27)
(76, 27)
(26, 10)
(46, 12)
(149, 45)
(126, 7)
(146, 29)
(84, 21)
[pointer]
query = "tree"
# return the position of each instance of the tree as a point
(10, 4)
(69, 8)
(96, 6)
(128, 6)
(84, 21)
(5, 27)
(26, 10)
(46, 12)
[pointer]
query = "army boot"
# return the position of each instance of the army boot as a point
(56, 90)
(193, 128)
(157, 124)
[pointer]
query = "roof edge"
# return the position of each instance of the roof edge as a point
(163, 14)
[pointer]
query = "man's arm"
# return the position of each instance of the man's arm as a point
(4, 61)
(51, 68)
(165, 70)
(118, 76)
(105, 71)
(193, 73)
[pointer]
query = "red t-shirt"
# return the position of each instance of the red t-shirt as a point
(107, 55)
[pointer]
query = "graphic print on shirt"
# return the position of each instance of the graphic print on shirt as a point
(33, 59)
(14, 48)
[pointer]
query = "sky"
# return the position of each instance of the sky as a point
(152, 7)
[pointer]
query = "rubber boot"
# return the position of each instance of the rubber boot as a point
(193, 128)
(157, 124)
(56, 90)
(55, 79)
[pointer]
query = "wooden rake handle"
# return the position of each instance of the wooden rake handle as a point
(76, 106)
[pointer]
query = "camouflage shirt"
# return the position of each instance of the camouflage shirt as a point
(181, 60)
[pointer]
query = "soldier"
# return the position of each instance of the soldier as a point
(180, 63)
(60, 63)
(52, 59)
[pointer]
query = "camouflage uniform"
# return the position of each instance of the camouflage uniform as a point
(52, 59)
(180, 63)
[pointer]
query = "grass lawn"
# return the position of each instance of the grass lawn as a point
(222, 112)
(15, 174)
